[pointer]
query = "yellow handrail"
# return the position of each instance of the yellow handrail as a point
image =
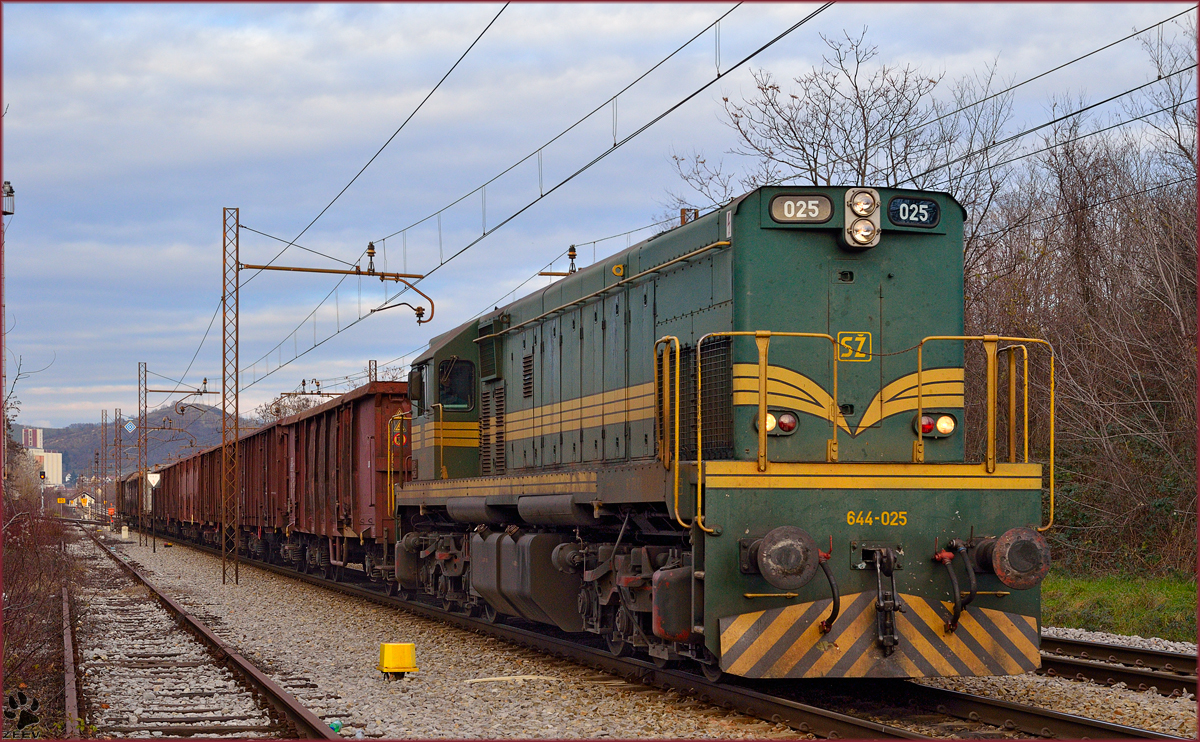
(391, 490)
(762, 339)
(439, 423)
(990, 342)
(674, 462)
(1012, 400)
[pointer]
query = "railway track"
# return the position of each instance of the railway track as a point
(152, 669)
(769, 701)
(1169, 673)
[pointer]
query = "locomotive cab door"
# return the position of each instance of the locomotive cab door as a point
(856, 322)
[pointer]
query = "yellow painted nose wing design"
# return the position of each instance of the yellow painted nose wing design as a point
(940, 388)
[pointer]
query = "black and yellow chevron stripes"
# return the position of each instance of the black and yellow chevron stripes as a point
(788, 643)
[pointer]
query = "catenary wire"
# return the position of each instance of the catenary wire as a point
(337, 380)
(293, 244)
(385, 144)
(501, 174)
(1051, 122)
(1081, 137)
(1027, 81)
(567, 130)
(560, 184)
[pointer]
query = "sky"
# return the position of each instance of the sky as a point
(129, 127)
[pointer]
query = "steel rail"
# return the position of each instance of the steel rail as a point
(801, 716)
(1136, 678)
(1030, 719)
(1154, 659)
(804, 717)
(70, 694)
(308, 725)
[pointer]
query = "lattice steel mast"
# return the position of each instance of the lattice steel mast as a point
(229, 395)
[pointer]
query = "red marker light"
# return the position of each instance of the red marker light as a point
(787, 422)
(926, 424)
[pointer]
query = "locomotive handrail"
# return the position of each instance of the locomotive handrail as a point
(439, 422)
(391, 490)
(989, 344)
(605, 290)
(1012, 400)
(663, 409)
(762, 338)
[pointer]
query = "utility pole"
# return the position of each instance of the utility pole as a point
(118, 456)
(143, 482)
(102, 494)
(230, 266)
(8, 209)
(229, 393)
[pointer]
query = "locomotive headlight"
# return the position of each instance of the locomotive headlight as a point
(771, 422)
(862, 231)
(945, 425)
(863, 204)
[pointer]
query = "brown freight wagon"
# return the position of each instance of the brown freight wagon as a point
(313, 487)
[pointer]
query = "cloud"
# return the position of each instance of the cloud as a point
(131, 126)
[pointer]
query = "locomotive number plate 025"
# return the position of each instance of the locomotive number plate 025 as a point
(801, 209)
(914, 212)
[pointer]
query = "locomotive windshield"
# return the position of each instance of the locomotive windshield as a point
(456, 384)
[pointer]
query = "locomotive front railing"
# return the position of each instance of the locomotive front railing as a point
(991, 349)
(762, 339)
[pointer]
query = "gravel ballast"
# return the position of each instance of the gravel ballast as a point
(324, 647)
(142, 675)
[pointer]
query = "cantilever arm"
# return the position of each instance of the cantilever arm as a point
(419, 310)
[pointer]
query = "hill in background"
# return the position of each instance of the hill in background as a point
(197, 429)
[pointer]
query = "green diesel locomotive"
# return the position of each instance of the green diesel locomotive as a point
(739, 443)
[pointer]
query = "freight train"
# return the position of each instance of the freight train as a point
(738, 445)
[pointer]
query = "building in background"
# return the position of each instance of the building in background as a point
(51, 463)
(32, 438)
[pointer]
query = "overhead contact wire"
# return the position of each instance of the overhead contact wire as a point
(385, 144)
(568, 179)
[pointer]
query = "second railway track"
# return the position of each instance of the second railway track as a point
(965, 714)
(150, 669)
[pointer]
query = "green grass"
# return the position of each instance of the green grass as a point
(1162, 607)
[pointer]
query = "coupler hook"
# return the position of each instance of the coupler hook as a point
(886, 602)
(823, 559)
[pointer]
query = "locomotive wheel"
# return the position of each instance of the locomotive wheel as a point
(662, 663)
(490, 614)
(450, 606)
(713, 673)
(392, 589)
(618, 647)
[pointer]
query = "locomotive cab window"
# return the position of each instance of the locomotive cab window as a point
(456, 384)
